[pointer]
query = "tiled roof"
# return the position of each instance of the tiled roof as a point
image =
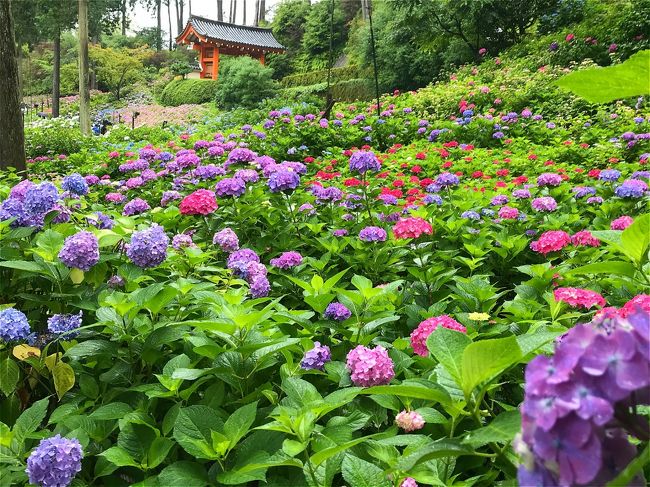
(240, 34)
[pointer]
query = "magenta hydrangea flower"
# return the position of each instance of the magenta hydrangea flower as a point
(545, 204)
(584, 238)
(287, 260)
(409, 420)
(621, 223)
(408, 482)
(425, 328)
(549, 179)
(551, 241)
(370, 367)
(80, 251)
(54, 462)
(579, 298)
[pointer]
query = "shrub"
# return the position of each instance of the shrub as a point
(244, 82)
(188, 91)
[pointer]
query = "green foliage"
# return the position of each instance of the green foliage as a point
(117, 68)
(604, 85)
(313, 77)
(244, 82)
(180, 68)
(192, 91)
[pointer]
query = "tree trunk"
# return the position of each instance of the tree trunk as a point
(220, 10)
(189, 7)
(84, 75)
(12, 148)
(244, 13)
(234, 11)
(169, 21)
(364, 9)
(262, 12)
(159, 25)
(123, 10)
(256, 18)
(56, 73)
(179, 20)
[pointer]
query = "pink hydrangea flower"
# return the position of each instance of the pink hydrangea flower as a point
(421, 333)
(370, 367)
(584, 238)
(409, 420)
(551, 241)
(411, 228)
(621, 223)
(579, 298)
(641, 301)
(408, 482)
(201, 202)
(508, 213)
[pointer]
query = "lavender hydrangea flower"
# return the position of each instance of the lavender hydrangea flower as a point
(226, 239)
(182, 240)
(545, 204)
(65, 324)
(549, 179)
(609, 175)
(363, 161)
(316, 358)
(283, 180)
(40, 199)
(447, 179)
(337, 312)
(101, 221)
(13, 325)
(148, 248)
(287, 260)
(328, 194)
(169, 196)
(240, 155)
(373, 234)
(340, 232)
(135, 207)
(498, 200)
(80, 251)
(631, 188)
(54, 462)
(521, 194)
(239, 259)
(582, 191)
(234, 187)
(432, 198)
(470, 215)
(248, 175)
(209, 171)
(75, 184)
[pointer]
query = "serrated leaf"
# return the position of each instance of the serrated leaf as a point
(501, 430)
(9, 376)
(64, 378)
(447, 347)
(485, 359)
(359, 473)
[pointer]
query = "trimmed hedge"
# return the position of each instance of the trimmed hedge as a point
(188, 91)
(348, 90)
(314, 77)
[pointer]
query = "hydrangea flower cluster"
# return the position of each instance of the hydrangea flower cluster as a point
(284, 180)
(631, 188)
(65, 323)
(287, 260)
(549, 179)
(337, 312)
(579, 298)
(169, 196)
(364, 161)
(508, 213)
(200, 202)
(411, 228)
(148, 247)
(409, 420)
(182, 241)
(408, 482)
(551, 241)
(54, 462)
(233, 187)
(584, 238)
(545, 203)
(226, 239)
(621, 223)
(80, 251)
(13, 325)
(76, 184)
(29, 203)
(447, 179)
(373, 234)
(609, 175)
(245, 263)
(135, 207)
(425, 328)
(576, 410)
(370, 367)
(316, 358)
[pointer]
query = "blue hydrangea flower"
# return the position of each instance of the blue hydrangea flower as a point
(54, 462)
(470, 215)
(283, 180)
(609, 175)
(65, 324)
(363, 161)
(148, 248)
(13, 325)
(41, 199)
(75, 184)
(80, 251)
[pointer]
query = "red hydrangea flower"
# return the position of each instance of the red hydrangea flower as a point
(411, 228)
(201, 202)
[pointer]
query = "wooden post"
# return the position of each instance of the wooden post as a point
(84, 75)
(262, 59)
(215, 64)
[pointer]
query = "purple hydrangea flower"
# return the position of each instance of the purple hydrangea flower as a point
(341, 232)
(80, 251)
(609, 175)
(209, 171)
(521, 194)
(101, 221)
(239, 259)
(226, 239)
(287, 260)
(13, 325)
(283, 180)
(182, 240)
(54, 462)
(549, 179)
(447, 179)
(65, 324)
(75, 184)
(470, 215)
(247, 175)
(363, 161)
(545, 203)
(116, 281)
(432, 198)
(40, 199)
(234, 187)
(240, 154)
(168, 196)
(328, 194)
(337, 312)
(582, 191)
(135, 207)
(316, 358)
(595, 200)
(631, 188)
(498, 200)
(148, 248)
(373, 234)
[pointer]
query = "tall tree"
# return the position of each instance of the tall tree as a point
(84, 75)
(261, 18)
(220, 10)
(180, 25)
(169, 22)
(159, 25)
(244, 12)
(56, 73)
(12, 148)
